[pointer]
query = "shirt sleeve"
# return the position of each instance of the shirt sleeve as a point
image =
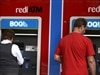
(90, 48)
(17, 53)
(58, 49)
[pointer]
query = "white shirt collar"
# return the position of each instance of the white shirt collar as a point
(6, 41)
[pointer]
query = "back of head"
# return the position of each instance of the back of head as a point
(79, 22)
(8, 34)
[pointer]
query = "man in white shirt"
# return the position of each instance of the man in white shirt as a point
(10, 55)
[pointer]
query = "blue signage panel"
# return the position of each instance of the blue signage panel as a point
(92, 23)
(55, 34)
(19, 23)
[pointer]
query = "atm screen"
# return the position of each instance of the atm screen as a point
(94, 46)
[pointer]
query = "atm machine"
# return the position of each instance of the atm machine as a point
(93, 32)
(96, 43)
(28, 38)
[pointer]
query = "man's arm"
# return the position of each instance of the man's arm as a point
(92, 65)
(57, 58)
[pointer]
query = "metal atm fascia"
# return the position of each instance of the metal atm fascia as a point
(93, 32)
(39, 34)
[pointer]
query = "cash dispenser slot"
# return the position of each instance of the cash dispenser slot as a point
(21, 34)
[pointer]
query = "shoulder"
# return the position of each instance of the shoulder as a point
(87, 40)
(14, 45)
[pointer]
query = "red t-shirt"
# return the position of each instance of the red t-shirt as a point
(74, 48)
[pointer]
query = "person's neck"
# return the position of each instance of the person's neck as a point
(76, 31)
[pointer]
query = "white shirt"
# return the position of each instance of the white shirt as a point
(15, 51)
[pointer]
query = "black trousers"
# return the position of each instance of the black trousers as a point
(8, 73)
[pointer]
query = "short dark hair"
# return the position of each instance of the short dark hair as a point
(8, 34)
(79, 22)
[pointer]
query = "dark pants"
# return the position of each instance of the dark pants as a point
(8, 73)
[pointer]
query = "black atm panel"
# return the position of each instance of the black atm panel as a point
(97, 57)
(30, 60)
(96, 43)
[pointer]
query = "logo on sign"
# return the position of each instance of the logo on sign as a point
(29, 9)
(18, 24)
(94, 9)
(93, 24)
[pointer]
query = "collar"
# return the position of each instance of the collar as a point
(5, 41)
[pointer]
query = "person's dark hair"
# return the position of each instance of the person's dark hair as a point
(8, 34)
(79, 22)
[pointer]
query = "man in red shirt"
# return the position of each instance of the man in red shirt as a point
(76, 52)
